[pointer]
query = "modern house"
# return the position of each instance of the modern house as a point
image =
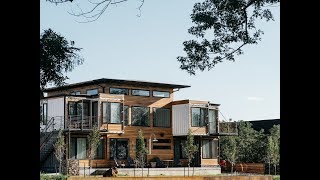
(120, 108)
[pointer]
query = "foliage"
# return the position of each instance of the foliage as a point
(189, 147)
(274, 146)
(228, 149)
(250, 143)
(57, 56)
(230, 24)
(141, 149)
(94, 141)
(52, 177)
(276, 177)
(59, 148)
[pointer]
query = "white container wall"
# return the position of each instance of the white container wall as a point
(56, 110)
(180, 119)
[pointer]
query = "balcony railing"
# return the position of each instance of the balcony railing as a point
(81, 122)
(228, 128)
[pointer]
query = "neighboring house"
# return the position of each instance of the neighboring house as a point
(120, 108)
(265, 124)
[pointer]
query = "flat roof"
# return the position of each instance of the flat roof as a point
(120, 81)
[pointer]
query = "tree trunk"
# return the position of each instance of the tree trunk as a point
(231, 168)
(193, 170)
(188, 168)
(60, 165)
(269, 167)
(275, 169)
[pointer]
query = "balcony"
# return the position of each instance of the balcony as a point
(78, 122)
(227, 128)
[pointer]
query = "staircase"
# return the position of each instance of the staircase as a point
(48, 136)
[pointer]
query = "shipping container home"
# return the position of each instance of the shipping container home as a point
(120, 108)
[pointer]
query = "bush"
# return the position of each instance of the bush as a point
(276, 177)
(52, 177)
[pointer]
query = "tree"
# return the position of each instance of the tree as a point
(57, 56)
(275, 146)
(230, 22)
(96, 9)
(269, 150)
(232, 25)
(141, 150)
(94, 141)
(250, 143)
(228, 149)
(59, 148)
(189, 148)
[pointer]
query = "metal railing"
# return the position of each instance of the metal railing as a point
(53, 125)
(81, 122)
(228, 128)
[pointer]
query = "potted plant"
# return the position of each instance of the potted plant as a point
(153, 162)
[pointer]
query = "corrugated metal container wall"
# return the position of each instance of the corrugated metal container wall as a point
(180, 119)
(56, 110)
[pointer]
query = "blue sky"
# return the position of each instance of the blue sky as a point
(121, 45)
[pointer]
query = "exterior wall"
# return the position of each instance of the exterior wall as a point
(180, 119)
(55, 110)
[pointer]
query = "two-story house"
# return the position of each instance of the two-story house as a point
(120, 108)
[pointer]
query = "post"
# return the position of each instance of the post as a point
(84, 169)
(150, 144)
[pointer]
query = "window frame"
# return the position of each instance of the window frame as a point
(108, 113)
(91, 90)
(116, 151)
(118, 88)
(212, 143)
(200, 124)
(44, 113)
(76, 148)
(153, 117)
(139, 90)
(132, 119)
(161, 96)
(75, 93)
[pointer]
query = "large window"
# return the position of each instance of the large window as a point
(165, 94)
(100, 150)
(75, 93)
(44, 113)
(140, 116)
(119, 148)
(112, 112)
(212, 121)
(199, 116)
(209, 149)
(75, 109)
(124, 91)
(92, 91)
(139, 92)
(161, 117)
(78, 148)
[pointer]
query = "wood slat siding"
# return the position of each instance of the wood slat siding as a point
(180, 119)
(208, 162)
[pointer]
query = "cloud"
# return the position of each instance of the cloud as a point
(252, 98)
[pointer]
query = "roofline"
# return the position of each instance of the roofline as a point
(105, 80)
